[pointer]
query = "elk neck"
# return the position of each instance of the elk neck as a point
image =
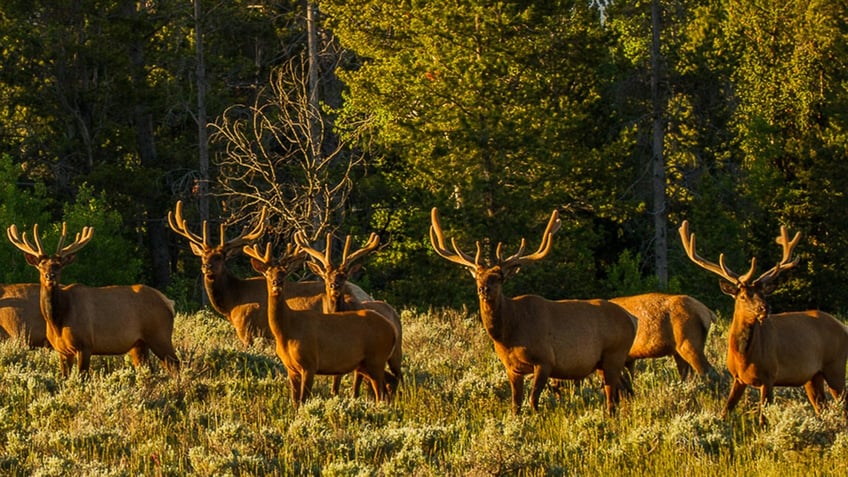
(492, 313)
(279, 313)
(222, 290)
(54, 305)
(746, 336)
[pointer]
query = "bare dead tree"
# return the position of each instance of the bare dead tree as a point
(281, 153)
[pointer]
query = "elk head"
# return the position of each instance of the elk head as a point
(213, 257)
(335, 276)
(275, 270)
(49, 266)
(749, 294)
(490, 279)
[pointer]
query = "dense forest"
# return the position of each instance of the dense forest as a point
(352, 117)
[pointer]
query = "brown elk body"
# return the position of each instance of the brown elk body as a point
(670, 325)
(335, 278)
(20, 314)
(244, 301)
(566, 339)
(82, 321)
(311, 342)
(808, 348)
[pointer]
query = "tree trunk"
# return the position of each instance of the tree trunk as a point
(319, 209)
(157, 239)
(660, 212)
(202, 131)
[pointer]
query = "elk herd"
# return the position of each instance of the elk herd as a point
(332, 327)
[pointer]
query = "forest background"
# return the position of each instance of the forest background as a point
(351, 117)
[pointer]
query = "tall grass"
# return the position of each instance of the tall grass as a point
(230, 413)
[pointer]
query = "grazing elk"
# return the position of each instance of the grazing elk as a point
(807, 348)
(311, 342)
(243, 301)
(335, 277)
(82, 321)
(567, 339)
(670, 325)
(20, 314)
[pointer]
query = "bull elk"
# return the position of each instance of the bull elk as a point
(82, 321)
(566, 339)
(335, 277)
(807, 348)
(242, 301)
(670, 325)
(20, 314)
(311, 342)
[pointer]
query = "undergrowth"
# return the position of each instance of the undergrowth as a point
(230, 413)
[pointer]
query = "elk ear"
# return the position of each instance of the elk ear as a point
(258, 266)
(510, 272)
(728, 288)
(31, 259)
(768, 287)
(68, 259)
(316, 269)
(353, 269)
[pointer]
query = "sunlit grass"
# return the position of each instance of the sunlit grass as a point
(230, 413)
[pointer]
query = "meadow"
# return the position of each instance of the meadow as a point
(230, 413)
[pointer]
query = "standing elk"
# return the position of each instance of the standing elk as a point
(670, 325)
(567, 339)
(20, 314)
(785, 349)
(82, 321)
(243, 301)
(335, 277)
(311, 342)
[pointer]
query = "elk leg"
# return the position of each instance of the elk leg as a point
(516, 382)
(736, 392)
(395, 375)
(612, 388)
(683, 368)
(337, 382)
(306, 385)
(692, 357)
(138, 353)
(294, 383)
(357, 381)
(83, 361)
(540, 379)
(168, 355)
(815, 392)
(766, 397)
(66, 362)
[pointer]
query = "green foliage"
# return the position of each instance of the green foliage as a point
(23, 205)
(109, 259)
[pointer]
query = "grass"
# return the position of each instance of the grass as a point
(230, 413)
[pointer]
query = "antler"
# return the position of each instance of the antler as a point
(325, 258)
(721, 269)
(517, 260)
(21, 242)
(437, 238)
(292, 255)
(785, 262)
(370, 246)
(252, 251)
(178, 225)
